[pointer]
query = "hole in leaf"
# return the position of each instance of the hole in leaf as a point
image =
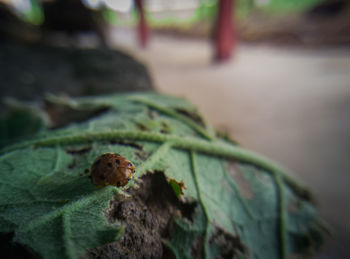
(142, 126)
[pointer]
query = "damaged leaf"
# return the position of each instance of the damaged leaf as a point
(236, 203)
(178, 187)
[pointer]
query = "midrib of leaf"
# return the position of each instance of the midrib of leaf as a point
(187, 143)
(195, 177)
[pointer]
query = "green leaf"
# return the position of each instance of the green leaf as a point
(246, 204)
(19, 120)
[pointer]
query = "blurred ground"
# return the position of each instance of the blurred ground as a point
(291, 105)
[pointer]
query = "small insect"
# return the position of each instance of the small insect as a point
(111, 169)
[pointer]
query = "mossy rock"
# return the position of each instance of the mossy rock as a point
(28, 72)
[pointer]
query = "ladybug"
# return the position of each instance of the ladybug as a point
(111, 169)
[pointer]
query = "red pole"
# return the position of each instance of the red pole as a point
(142, 29)
(225, 39)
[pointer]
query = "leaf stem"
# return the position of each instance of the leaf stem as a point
(214, 148)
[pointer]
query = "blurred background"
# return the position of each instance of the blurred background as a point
(273, 74)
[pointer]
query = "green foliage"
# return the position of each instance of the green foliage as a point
(110, 16)
(243, 198)
(34, 14)
(284, 6)
(18, 121)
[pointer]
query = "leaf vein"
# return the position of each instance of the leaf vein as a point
(195, 177)
(67, 233)
(180, 142)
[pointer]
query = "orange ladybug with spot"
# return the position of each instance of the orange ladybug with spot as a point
(111, 169)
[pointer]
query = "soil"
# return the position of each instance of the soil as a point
(147, 216)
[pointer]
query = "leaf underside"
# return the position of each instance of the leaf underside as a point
(49, 203)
